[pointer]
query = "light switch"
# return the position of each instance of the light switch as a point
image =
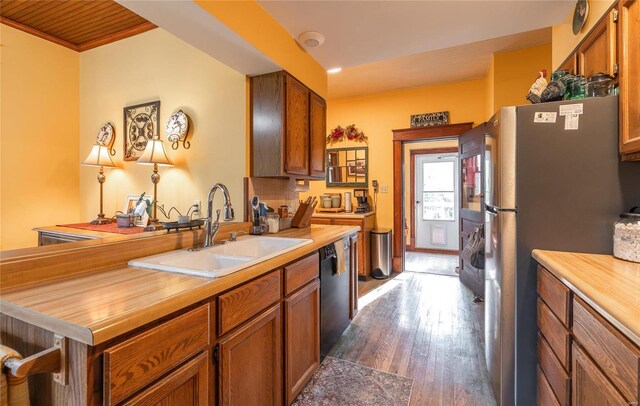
(384, 189)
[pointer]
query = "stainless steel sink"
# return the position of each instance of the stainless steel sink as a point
(221, 260)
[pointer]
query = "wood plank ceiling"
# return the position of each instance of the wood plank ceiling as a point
(75, 24)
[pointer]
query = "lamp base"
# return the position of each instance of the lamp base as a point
(154, 225)
(101, 220)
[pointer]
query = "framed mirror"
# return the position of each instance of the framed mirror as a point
(347, 167)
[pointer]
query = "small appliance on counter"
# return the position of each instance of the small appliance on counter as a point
(626, 236)
(362, 196)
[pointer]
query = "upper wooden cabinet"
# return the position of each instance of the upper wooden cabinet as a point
(629, 44)
(613, 47)
(288, 125)
(318, 127)
(597, 53)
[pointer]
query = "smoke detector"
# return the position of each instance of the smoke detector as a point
(310, 39)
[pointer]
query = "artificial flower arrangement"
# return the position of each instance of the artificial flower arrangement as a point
(351, 133)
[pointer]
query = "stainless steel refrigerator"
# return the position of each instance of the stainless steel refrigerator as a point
(553, 181)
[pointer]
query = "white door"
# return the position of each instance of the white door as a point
(437, 197)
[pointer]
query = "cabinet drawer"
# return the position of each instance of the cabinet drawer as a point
(555, 295)
(544, 391)
(558, 379)
(301, 272)
(590, 386)
(318, 220)
(618, 358)
(348, 222)
(555, 333)
(240, 304)
(134, 363)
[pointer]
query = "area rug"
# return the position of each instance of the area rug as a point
(340, 382)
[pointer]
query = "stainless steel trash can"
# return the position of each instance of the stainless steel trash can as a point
(381, 253)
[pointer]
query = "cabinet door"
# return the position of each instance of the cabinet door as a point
(590, 386)
(598, 51)
(251, 362)
(318, 128)
(353, 270)
(296, 142)
(187, 385)
(302, 338)
(629, 40)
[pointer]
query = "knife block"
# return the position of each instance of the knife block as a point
(302, 218)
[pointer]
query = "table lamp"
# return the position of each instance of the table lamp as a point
(99, 156)
(155, 155)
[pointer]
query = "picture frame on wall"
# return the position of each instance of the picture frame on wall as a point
(140, 125)
(131, 202)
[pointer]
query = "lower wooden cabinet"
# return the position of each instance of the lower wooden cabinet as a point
(302, 338)
(590, 386)
(187, 385)
(250, 370)
(594, 364)
(366, 224)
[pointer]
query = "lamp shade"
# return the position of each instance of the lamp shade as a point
(154, 154)
(99, 156)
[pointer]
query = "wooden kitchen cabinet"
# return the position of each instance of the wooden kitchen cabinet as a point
(629, 45)
(583, 360)
(302, 338)
(288, 125)
(366, 223)
(590, 386)
(353, 269)
(251, 362)
(187, 385)
(598, 52)
(613, 47)
(318, 136)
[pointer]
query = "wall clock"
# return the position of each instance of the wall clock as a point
(106, 137)
(177, 129)
(580, 14)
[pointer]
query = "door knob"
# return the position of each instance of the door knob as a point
(417, 201)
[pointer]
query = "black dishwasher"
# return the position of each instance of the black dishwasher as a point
(334, 297)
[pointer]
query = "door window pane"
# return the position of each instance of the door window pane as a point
(438, 195)
(438, 176)
(438, 206)
(471, 183)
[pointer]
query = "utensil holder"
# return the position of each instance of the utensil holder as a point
(302, 218)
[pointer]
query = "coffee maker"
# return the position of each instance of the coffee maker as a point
(362, 196)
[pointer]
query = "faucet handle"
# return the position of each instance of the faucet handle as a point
(233, 236)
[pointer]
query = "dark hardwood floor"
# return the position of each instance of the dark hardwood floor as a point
(425, 327)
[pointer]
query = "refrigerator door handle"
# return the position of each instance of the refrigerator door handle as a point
(496, 210)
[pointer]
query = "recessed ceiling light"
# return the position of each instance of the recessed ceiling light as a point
(334, 70)
(311, 39)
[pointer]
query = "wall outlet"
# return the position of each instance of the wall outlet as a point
(197, 211)
(384, 189)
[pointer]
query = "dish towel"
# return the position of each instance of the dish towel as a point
(341, 265)
(13, 391)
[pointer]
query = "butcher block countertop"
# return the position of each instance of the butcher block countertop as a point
(610, 285)
(94, 307)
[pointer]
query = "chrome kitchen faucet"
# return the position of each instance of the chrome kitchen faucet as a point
(211, 227)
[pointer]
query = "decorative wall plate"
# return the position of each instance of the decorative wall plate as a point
(580, 14)
(177, 129)
(106, 137)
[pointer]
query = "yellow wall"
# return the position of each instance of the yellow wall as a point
(158, 66)
(490, 83)
(378, 114)
(39, 136)
(514, 73)
(562, 36)
(249, 20)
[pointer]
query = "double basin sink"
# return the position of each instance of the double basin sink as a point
(221, 260)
